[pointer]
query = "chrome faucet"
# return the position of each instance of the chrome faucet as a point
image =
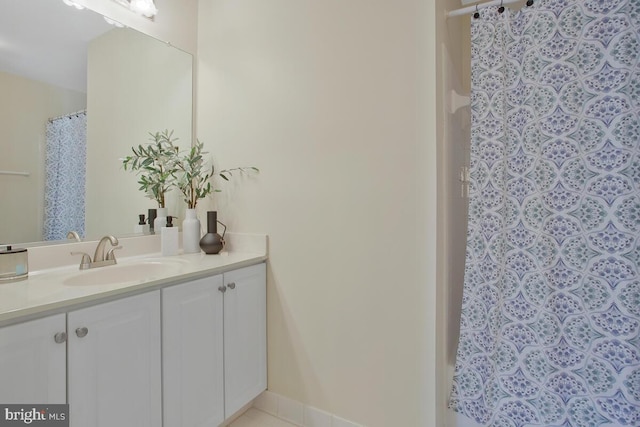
(73, 235)
(99, 258)
(99, 255)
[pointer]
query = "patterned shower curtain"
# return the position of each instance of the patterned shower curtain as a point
(65, 176)
(551, 308)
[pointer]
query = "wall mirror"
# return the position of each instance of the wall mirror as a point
(56, 61)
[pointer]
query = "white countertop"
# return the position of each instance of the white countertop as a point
(65, 288)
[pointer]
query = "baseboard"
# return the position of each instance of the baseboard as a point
(298, 413)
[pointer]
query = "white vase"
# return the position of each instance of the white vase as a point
(160, 221)
(191, 233)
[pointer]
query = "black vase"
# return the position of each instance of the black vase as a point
(212, 242)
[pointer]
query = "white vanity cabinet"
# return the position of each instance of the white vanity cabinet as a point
(192, 361)
(185, 355)
(245, 336)
(106, 357)
(213, 346)
(114, 363)
(33, 361)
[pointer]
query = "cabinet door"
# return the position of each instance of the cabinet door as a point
(114, 363)
(33, 365)
(245, 336)
(192, 356)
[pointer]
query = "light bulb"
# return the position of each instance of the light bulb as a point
(74, 4)
(143, 7)
(114, 23)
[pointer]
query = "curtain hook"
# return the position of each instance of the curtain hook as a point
(529, 2)
(501, 8)
(477, 14)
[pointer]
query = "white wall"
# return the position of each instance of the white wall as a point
(25, 107)
(335, 102)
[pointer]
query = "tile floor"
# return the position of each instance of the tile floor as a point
(257, 418)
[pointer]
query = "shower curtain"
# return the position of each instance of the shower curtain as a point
(551, 303)
(65, 164)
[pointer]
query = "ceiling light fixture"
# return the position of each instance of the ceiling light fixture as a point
(145, 8)
(74, 4)
(114, 23)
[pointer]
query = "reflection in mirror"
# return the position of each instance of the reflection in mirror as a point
(129, 84)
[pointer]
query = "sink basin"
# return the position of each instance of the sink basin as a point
(123, 273)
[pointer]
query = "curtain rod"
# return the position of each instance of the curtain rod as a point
(14, 173)
(67, 116)
(471, 9)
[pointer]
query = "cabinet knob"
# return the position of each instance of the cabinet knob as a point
(232, 285)
(222, 289)
(82, 332)
(60, 337)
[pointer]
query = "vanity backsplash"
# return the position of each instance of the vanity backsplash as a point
(54, 256)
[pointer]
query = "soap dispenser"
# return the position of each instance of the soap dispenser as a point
(141, 226)
(169, 238)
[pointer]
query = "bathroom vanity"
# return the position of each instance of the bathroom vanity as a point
(181, 344)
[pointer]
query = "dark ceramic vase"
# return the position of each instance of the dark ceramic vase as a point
(212, 242)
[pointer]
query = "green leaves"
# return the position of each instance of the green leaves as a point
(193, 181)
(161, 166)
(155, 164)
(227, 173)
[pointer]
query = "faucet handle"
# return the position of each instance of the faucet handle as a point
(111, 256)
(85, 262)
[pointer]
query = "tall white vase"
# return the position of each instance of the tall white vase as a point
(191, 232)
(160, 221)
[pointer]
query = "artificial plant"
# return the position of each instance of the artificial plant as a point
(193, 177)
(156, 164)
